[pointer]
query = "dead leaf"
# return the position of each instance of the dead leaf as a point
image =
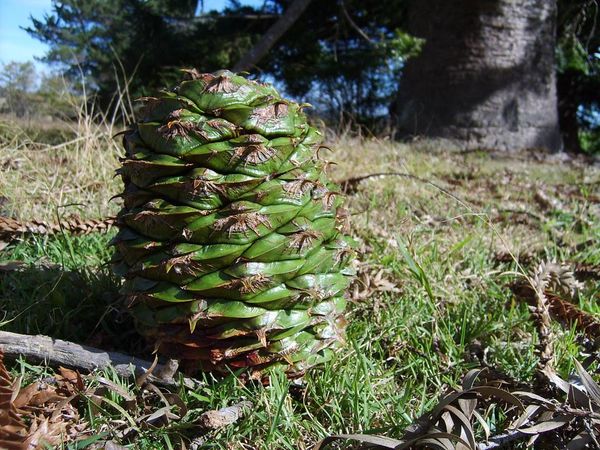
(25, 395)
(590, 385)
(73, 377)
(547, 425)
(44, 432)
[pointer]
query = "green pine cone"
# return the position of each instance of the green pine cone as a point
(230, 239)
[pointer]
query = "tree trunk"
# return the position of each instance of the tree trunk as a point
(486, 75)
(262, 47)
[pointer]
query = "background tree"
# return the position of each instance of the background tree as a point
(17, 83)
(114, 44)
(349, 61)
(486, 75)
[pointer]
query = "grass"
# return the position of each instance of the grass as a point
(43, 181)
(440, 247)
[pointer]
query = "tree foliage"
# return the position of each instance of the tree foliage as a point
(25, 92)
(349, 61)
(578, 66)
(114, 44)
(17, 82)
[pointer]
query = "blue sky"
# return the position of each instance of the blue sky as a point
(17, 45)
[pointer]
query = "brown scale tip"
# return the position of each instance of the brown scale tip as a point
(252, 154)
(303, 239)
(194, 74)
(242, 223)
(249, 285)
(220, 84)
(270, 112)
(298, 187)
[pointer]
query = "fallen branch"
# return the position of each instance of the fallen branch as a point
(215, 419)
(542, 321)
(55, 352)
(501, 440)
(584, 271)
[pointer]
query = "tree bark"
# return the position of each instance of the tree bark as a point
(273, 34)
(486, 75)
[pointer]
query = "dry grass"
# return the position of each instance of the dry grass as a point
(499, 192)
(43, 181)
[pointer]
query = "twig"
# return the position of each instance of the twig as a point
(501, 439)
(354, 25)
(273, 34)
(225, 416)
(215, 419)
(543, 323)
(55, 352)
(562, 311)
(349, 185)
(521, 211)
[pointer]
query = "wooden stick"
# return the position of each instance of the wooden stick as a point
(501, 440)
(219, 418)
(55, 352)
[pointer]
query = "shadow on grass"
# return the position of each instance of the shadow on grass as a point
(81, 306)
